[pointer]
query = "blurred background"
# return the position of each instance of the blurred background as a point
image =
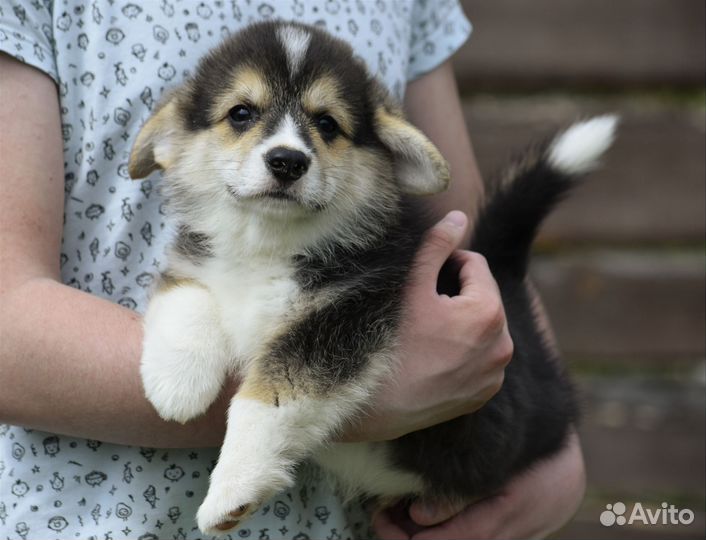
(621, 265)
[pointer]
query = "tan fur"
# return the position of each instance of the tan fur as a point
(269, 390)
(158, 128)
(168, 282)
(230, 144)
(333, 153)
(258, 389)
(411, 146)
(248, 87)
(324, 96)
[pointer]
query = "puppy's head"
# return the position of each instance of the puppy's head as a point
(283, 121)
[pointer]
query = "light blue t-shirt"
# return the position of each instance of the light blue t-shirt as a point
(112, 60)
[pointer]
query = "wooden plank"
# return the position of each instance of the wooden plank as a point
(540, 43)
(643, 441)
(635, 305)
(651, 189)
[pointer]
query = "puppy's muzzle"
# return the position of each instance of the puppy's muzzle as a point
(286, 165)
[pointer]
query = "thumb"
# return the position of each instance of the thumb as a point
(438, 244)
(428, 513)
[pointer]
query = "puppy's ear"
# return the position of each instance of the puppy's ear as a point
(420, 167)
(154, 146)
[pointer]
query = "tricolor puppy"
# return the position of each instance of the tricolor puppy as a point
(290, 176)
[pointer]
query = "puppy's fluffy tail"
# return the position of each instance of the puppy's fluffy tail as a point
(532, 186)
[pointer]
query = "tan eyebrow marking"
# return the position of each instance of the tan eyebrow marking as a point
(324, 95)
(246, 86)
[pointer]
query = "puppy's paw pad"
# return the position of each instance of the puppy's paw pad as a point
(227, 525)
(219, 514)
(240, 511)
(237, 516)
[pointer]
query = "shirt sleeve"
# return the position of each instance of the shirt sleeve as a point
(26, 33)
(438, 29)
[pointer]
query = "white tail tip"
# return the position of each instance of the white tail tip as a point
(579, 149)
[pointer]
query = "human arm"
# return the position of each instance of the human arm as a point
(433, 105)
(68, 360)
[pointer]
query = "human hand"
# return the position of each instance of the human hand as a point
(533, 505)
(453, 350)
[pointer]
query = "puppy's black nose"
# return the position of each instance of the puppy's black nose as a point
(286, 165)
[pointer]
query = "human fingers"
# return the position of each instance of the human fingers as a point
(483, 519)
(386, 528)
(427, 513)
(480, 298)
(438, 244)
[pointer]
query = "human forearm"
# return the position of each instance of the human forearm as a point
(68, 360)
(432, 104)
(69, 363)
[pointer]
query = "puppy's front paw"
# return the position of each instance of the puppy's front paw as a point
(178, 399)
(185, 355)
(241, 482)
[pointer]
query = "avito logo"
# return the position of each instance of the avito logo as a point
(668, 514)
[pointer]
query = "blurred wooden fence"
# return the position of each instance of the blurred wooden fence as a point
(621, 263)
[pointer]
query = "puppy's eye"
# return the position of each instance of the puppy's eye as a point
(327, 125)
(241, 114)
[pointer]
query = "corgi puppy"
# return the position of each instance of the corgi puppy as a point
(291, 178)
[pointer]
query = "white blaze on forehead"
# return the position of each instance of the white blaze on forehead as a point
(295, 42)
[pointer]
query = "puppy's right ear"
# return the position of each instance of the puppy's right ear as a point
(154, 147)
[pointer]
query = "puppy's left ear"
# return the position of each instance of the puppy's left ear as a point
(154, 146)
(419, 166)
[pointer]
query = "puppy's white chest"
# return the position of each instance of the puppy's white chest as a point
(254, 301)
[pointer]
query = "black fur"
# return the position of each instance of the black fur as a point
(256, 48)
(192, 245)
(334, 343)
(529, 418)
(526, 421)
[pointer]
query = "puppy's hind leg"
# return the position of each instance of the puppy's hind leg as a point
(273, 424)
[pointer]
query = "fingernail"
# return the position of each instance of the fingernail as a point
(456, 218)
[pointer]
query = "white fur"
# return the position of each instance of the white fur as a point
(262, 447)
(217, 202)
(579, 149)
(254, 298)
(185, 353)
(255, 177)
(264, 443)
(362, 468)
(295, 42)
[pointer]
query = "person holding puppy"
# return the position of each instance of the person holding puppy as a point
(73, 290)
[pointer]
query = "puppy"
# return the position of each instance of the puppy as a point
(291, 178)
